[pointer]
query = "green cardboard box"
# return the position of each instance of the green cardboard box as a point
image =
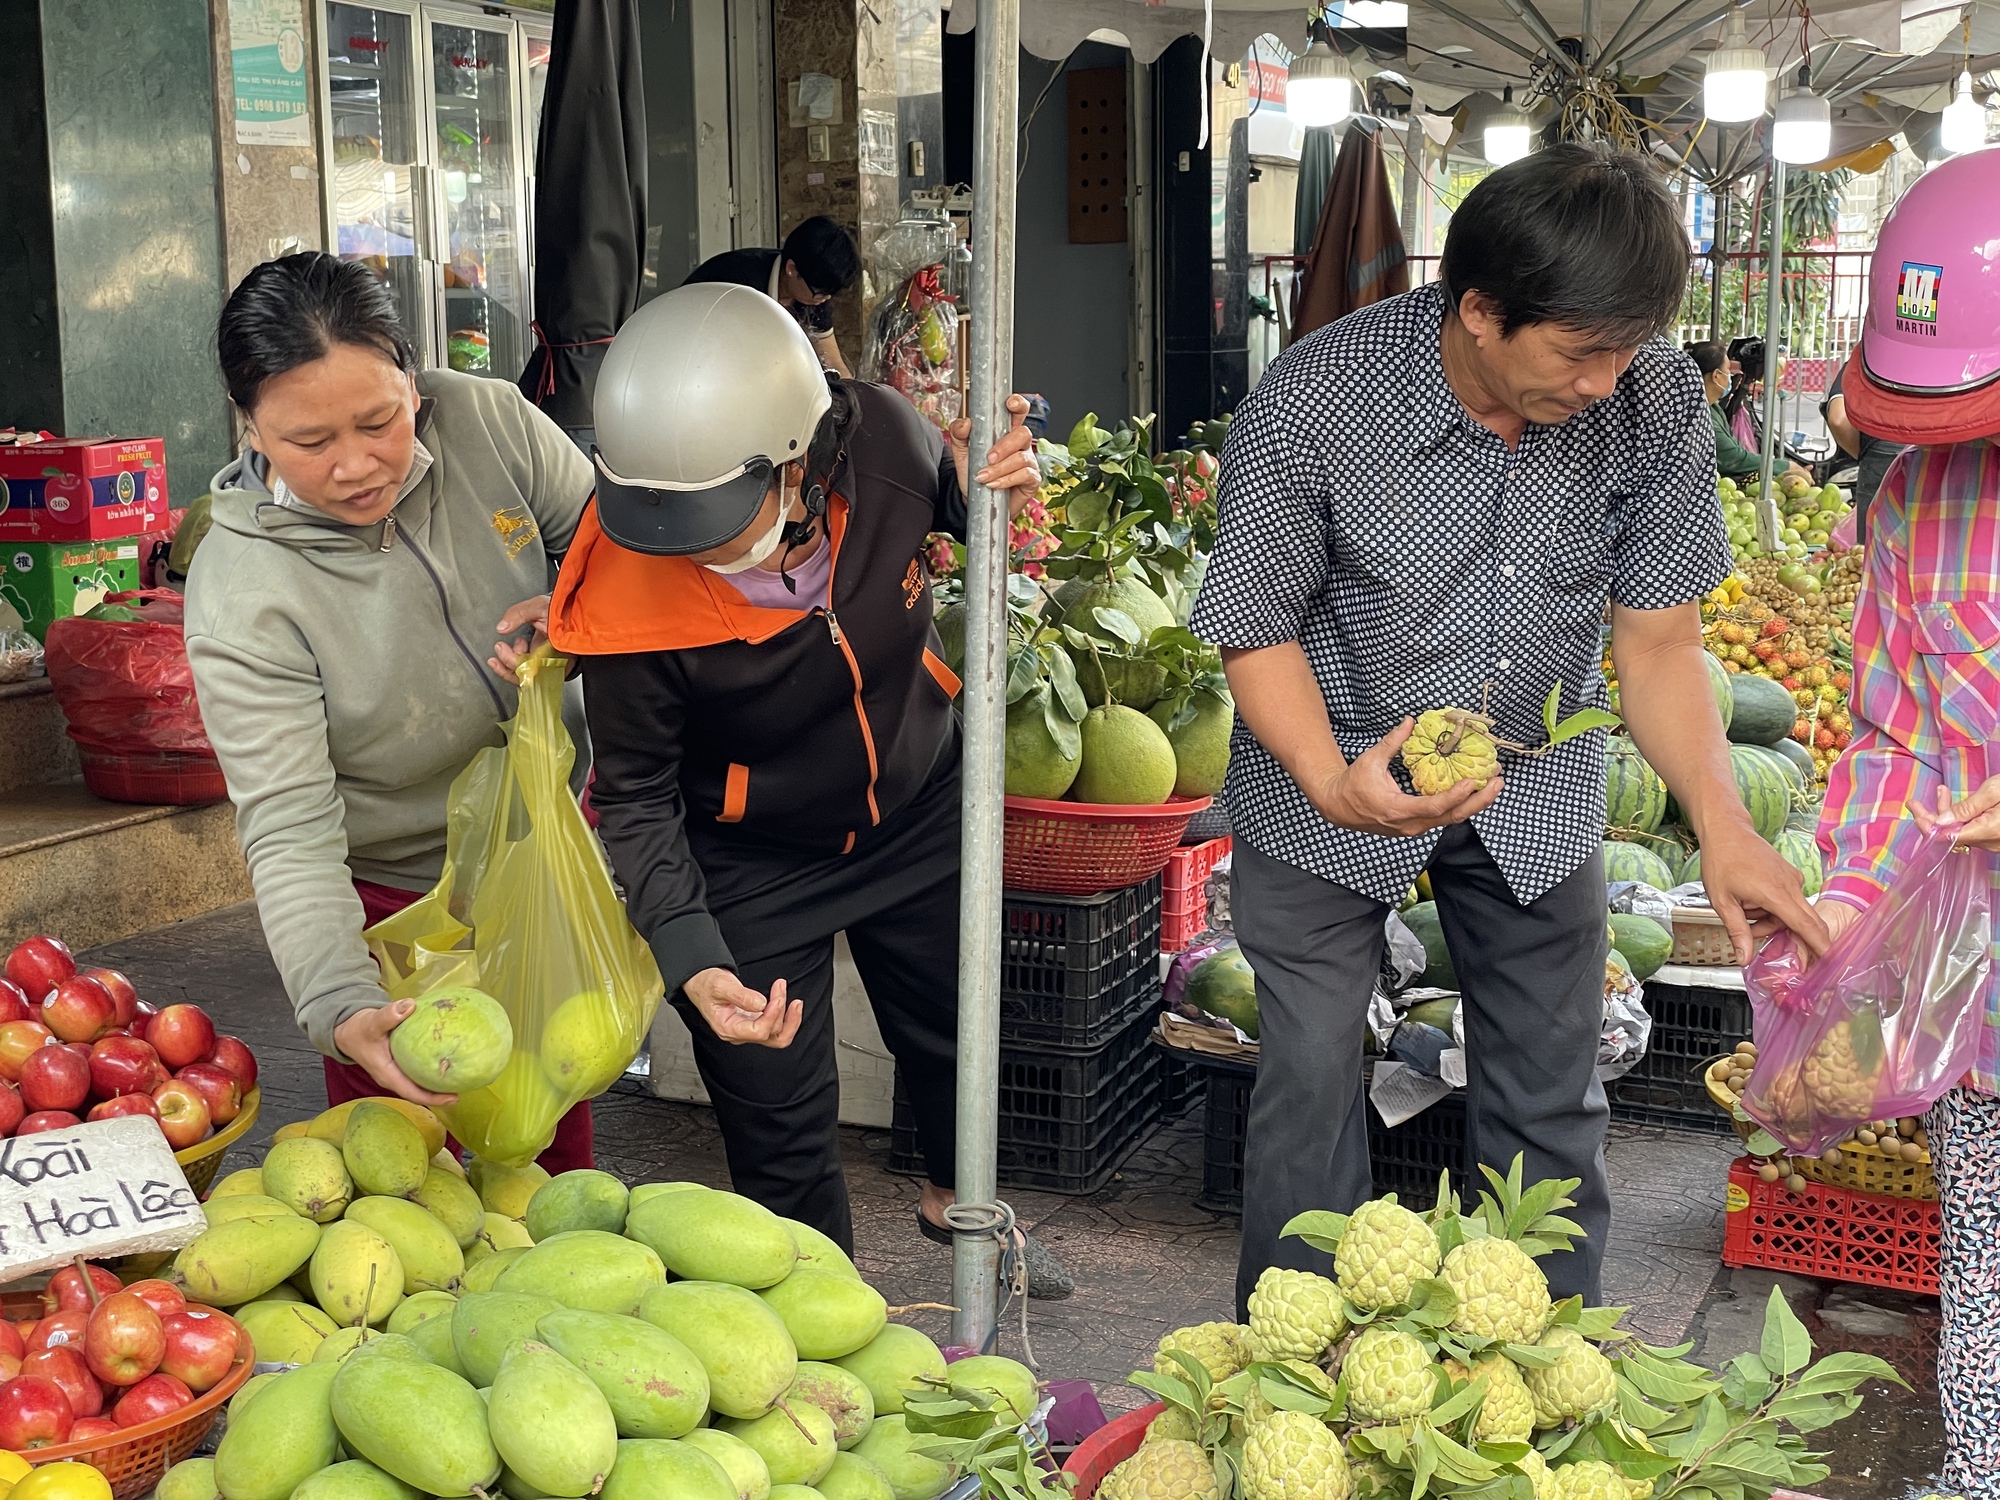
(47, 581)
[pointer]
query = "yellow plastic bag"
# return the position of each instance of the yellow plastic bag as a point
(526, 911)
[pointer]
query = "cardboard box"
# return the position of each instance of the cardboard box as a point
(77, 489)
(47, 581)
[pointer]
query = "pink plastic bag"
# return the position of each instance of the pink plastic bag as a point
(1888, 1020)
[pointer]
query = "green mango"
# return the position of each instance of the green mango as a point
(704, 1235)
(281, 1439)
(433, 1340)
(892, 1448)
(241, 1206)
(342, 1342)
(855, 1478)
(899, 1358)
(582, 1199)
(309, 1177)
(653, 1469)
(250, 1388)
(739, 1461)
(416, 1420)
(742, 1344)
(828, 1314)
(240, 1261)
(450, 1197)
(384, 1151)
(506, 1190)
(795, 1441)
(485, 1325)
(481, 1273)
(840, 1394)
(285, 1333)
(551, 1423)
(420, 1307)
(656, 1386)
(816, 1251)
(649, 1190)
(1012, 1382)
(356, 1479)
(356, 1274)
(586, 1269)
(190, 1479)
(432, 1261)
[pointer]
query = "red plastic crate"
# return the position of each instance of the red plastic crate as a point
(1183, 891)
(1835, 1233)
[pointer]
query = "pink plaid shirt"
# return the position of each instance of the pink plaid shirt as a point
(1926, 695)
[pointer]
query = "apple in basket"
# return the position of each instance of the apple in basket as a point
(162, 1296)
(67, 1367)
(183, 1113)
(79, 1010)
(34, 1413)
(14, 1004)
(125, 1340)
(17, 1040)
(67, 1293)
(124, 1065)
(47, 1119)
(232, 1053)
(181, 1034)
(123, 996)
(125, 1104)
(55, 1078)
(39, 965)
(158, 1395)
(218, 1088)
(201, 1347)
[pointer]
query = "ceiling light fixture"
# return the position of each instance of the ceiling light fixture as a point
(1733, 88)
(1962, 127)
(1802, 127)
(1320, 88)
(1508, 134)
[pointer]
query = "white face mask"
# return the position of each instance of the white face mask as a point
(766, 544)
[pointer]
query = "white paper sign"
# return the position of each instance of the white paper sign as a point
(96, 1190)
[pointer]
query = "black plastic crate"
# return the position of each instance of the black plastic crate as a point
(1225, 1122)
(1075, 969)
(1183, 1080)
(1691, 1024)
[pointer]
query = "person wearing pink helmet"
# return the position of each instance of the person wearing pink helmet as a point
(1926, 696)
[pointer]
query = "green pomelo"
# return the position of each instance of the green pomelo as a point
(739, 1461)
(1635, 799)
(841, 1394)
(654, 1383)
(284, 1333)
(1645, 943)
(1146, 609)
(242, 1260)
(1036, 765)
(855, 1478)
(1630, 861)
(586, 1269)
(892, 1448)
(432, 1261)
(1801, 852)
(705, 1235)
(421, 1307)
(433, 1340)
(309, 1177)
(455, 1041)
(652, 1469)
(1009, 1381)
(796, 1443)
(1422, 920)
(451, 1200)
(582, 1199)
(418, 1421)
(481, 1272)
(899, 1359)
(1223, 985)
(243, 1206)
(356, 1274)
(585, 1047)
(742, 1344)
(826, 1313)
(190, 1479)
(385, 1153)
(551, 1423)
(281, 1439)
(506, 1190)
(817, 1250)
(356, 1479)
(1201, 746)
(485, 1325)
(1127, 760)
(1108, 676)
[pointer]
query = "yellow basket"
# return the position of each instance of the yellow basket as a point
(1868, 1169)
(201, 1161)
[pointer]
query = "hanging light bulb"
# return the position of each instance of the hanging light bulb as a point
(1507, 132)
(1802, 127)
(1962, 127)
(1733, 88)
(1320, 89)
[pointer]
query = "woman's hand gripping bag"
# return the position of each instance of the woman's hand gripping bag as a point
(526, 911)
(1889, 1018)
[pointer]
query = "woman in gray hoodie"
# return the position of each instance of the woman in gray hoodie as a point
(383, 525)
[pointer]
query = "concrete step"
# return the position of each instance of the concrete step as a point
(90, 871)
(33, 746)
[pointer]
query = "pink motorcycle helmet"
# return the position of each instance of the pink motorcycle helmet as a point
(1927, 369)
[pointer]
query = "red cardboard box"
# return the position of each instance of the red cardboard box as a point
(76, 489)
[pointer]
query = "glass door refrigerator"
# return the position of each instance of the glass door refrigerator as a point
(429, 119)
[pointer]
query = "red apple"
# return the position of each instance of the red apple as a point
(39, 965)
(11, 1108)
(79, 1009)
(47, 1119)
(125, 1340)
(162, 1296)
(218, 1088)
(232, 1053)
(17, 1040)
(181, 1034)
(10, 1366)
(124, 1065)
(66, 1366)
(34, 1412)
(154, 1397)
(123, 996)
(183, 1113)
(58, 1328)
(11, 1342)
(67, 1293)
(201, 1346)
(55, 1078)
(142, 1020)
(26, 1327)
(14, 1004)
(90, 1429)
(125, 1104)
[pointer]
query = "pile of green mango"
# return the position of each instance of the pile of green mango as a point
(453, 1331)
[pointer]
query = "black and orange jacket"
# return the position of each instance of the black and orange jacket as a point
(726, 732)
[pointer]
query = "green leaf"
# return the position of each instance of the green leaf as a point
(1757, 1455)
(1551, 707)
(1808, 1413)
(1062, 677)
(1064, 732)
(960, 1415)
(1843, 1372)
(1119, 624)
(1599, 1322)
(1433, 1304)
(1086, 509)
(1531, 1356)
(1318, 1227)
(1024, 675)
(1786, 1347)
(1582, 722)
(1084, 437)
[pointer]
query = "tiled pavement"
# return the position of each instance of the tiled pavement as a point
(1144, 1257)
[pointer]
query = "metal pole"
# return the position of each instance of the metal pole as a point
(1718, 251)
(975, 1279)
(1774, 311)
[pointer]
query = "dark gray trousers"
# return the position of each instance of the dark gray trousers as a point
(1533, 982)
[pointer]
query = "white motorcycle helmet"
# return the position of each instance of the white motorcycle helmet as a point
(704, 393)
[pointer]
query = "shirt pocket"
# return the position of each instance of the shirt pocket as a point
(1583, 548)
(1955, 642)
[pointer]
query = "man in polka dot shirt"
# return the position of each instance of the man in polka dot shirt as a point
(1431, 503)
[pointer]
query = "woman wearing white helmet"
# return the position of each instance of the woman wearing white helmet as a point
(776, 747)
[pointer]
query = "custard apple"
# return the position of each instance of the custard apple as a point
(1256, 1408)
(1595, 1480)
(1502, 1293)
(1295, 1314)
(1166, 1470)
(1375, 1479)
(1220, 1348)
(1580, 1382)
(1389, 1375)
(1507, 1415)
(1384, 1253)
(1442, 751)
(1837, 1078)
(1290, 1456)
(1173, 1423)
(1537, 1469)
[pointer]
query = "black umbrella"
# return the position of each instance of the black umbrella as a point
(590, 205)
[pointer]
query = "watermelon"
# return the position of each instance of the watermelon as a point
(1764, 782)
(1644, 942)
(1635, 799)
(1764, 712)
(1623, 861)
(1801, 758)
(1805, 816)
(1800, 780)
(1422, 919)
(1718, 684)
(1223, 985)
(1801, 852)
(1691, 870)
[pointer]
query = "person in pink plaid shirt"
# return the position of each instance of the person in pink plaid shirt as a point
(1926, 697)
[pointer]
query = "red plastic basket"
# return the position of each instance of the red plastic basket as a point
(1835, 1233)
(153, 776)
(1081, 848)
(1108, 1447)
(134, 1459)
(1184, 891)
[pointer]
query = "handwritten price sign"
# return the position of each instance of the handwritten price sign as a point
(97, 1190)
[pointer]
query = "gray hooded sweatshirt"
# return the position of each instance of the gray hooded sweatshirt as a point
(342, 669)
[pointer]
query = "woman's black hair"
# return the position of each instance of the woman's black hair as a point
(1707, 357)
(1578, 235)
(290, 311)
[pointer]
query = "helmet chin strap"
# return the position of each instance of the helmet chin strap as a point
(795, 535)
